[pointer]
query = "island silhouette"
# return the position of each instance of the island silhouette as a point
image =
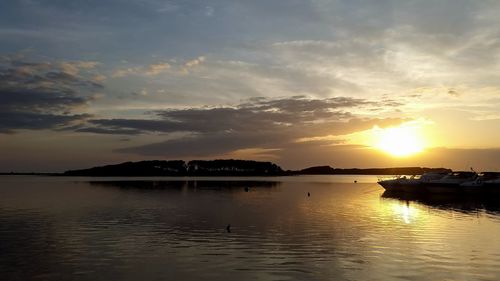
(230, 167)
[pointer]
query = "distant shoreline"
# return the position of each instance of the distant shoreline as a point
(221, 168)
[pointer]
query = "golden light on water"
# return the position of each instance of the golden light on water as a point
(401, 141)
(406, 212)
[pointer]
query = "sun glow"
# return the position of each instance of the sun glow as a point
(401, 141)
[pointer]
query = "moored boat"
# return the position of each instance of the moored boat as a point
(484, 182)
(450, 183)
(412, 183)
(492, 185)
(417, 183)
(394, 184)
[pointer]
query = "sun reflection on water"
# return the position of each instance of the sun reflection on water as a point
(405, 211)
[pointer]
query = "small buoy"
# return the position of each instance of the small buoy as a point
(308, 194)
(355, 181)
(246, 189)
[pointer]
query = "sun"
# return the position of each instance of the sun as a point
(401, 141)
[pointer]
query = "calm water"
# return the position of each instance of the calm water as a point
(147, 229)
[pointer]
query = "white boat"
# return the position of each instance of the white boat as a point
(450, 183)
(417, 183)
(394, 184)
(410, 183)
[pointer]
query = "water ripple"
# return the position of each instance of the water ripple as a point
(67, 230)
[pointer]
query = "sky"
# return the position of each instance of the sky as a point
(313, 82)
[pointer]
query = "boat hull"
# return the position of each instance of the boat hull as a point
(473, 188)
(443, 187)
(493, 187)
(391, 185)
(413, 187)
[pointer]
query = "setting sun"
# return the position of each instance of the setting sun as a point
(399, 141)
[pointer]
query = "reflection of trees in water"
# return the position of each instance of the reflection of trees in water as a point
(188, 184)
(466, 203)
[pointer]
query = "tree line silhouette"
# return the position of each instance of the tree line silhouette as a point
(230, 167)
(181, 168)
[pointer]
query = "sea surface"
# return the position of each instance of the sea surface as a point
(59, 228)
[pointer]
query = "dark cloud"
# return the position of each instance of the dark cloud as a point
(256, 114)
(107, 131)
(255, 123)
(206, 144)
(40, 96)
(37, 99)
(283, 138)
(69, 79)
(25, 120)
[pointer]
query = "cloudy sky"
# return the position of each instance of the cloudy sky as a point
(299, 83)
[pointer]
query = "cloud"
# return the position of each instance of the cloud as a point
(280, 139)
(255, 123)
(121, 72)
(107, 131)
(149, 70)
(42, 95)
(16, 120)
(155, 69)
(158, 68)
(73, 68)
(252, 114)
(192, 63)
(99, 78)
